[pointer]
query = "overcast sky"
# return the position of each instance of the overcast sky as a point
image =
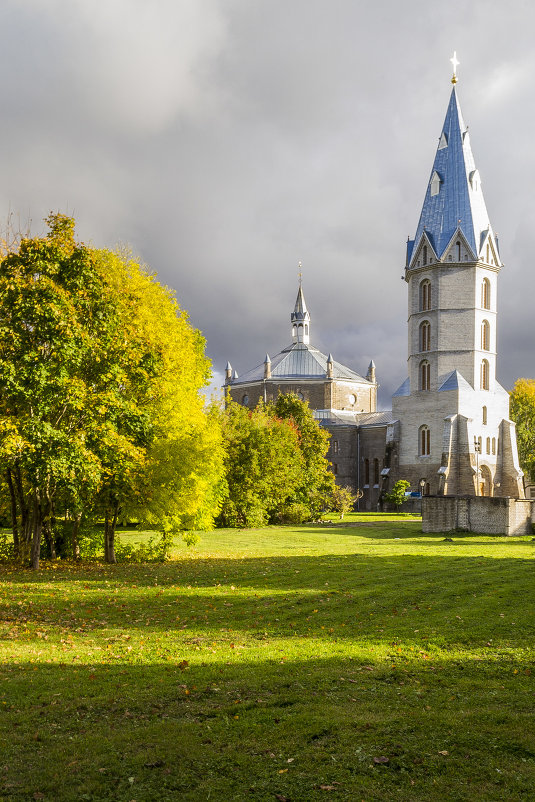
(227, 140)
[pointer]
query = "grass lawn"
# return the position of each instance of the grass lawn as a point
(355, 662)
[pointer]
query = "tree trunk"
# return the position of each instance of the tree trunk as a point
(46, 522)
(75, 545)
(14, 522)
(109, 532)
(36, 535)
(25, 520)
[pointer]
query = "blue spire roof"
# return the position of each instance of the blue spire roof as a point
(454, 199)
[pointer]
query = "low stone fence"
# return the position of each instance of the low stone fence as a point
(489, 516)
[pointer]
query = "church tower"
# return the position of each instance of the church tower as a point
(455, 434)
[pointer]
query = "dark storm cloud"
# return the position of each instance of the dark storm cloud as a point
(226, 141)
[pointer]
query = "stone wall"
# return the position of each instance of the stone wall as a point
(490, 516)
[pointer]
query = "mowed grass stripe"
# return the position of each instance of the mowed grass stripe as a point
(359, 662)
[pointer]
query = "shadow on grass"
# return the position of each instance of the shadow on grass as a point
(454, 599)
(257, 730)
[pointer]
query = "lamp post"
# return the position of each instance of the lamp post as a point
(422, 486)
(477, 449)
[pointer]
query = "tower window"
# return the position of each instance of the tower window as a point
(425, 375)
(335, 468)
(366, 472)
(425, 254)
(425, 295)
(484, 375)
(376, 471)
(425, 336)
(458, 244)
(485, 294)
(424, 441)
(488, 445)
(485, 335)
(435, 184)
(484, 416)
(494, 445)
(335, 446)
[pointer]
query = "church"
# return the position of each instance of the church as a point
(448, 432)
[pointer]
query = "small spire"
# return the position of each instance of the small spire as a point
(371, 372)
(455, 63)
(300, 274)
(300, 319)
(267, 367)
(228, 372)
(330, 366)
(235, 375)
(267, 360)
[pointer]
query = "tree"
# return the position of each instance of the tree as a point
(100, 374)
(397, 494)
(523, 414)
(343, 499)
(263, 462)
(317, 480)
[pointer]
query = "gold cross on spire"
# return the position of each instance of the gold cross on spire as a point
(455, 65)
(300, 274)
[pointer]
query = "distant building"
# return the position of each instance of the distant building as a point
(448, 432)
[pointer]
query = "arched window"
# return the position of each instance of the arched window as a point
(425, 254)
(425, 336)
(366, 471)
(376, 471)
(425, 375)
(458, 244)
(484, 375)
(425, 295)
(306, 328)
(424, 441)
(484, 416)
(485, 294)
(488, 445)
(245, 400)
(485, 335)
(335, 468)
(494, 445)
(427, 489)
(335, 446)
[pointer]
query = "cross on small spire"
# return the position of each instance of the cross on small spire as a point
(455, 63)
(300, 274)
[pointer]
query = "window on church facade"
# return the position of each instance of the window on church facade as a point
(488, 445)
(424, 441)
(376, 471)
(424, 257)
(425, 295)
(484, 375)
(335, 468)
(494, 445)
(485, 294)
(458, 244)
(425, 375)
(335, 446)
(245, 400)
(485, 335)
(484, 416)
(425, 336)
(366, 472)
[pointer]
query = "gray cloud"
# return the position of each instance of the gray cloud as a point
(226, 141)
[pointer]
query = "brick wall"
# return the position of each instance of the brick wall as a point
(490, 516)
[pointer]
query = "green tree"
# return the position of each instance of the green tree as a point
(343, 499)
(523, 414)
(397, 494)
(317, 480)
(263, 463)
(93, 403)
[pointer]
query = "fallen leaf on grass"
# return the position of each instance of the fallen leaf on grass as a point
(328, 787)
(443, 752)
(183, 665)
(283, 771)
(381, 759)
